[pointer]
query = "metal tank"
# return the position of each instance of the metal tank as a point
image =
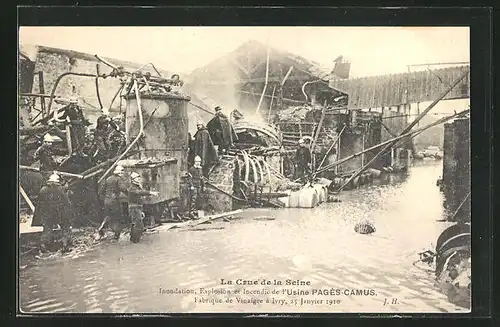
(163, 149)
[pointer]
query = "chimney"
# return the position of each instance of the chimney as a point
(341, 68)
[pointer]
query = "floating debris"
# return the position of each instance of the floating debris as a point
(364, 227)
(264, 218)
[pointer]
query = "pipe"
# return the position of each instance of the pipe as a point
(408, 128)
(116, 94)
(271, 105)
(247, 166)
(330, 149)
(303, 88)
(318, 130)
(287, 75)
(141, 131)
(437, 122)
(26, 198)
(97, 85)
(63, 173)
(254, 170)
(68, 137)
(265, 84)
(268, 170)
(203, 109)
(56, 83)
(106, 62)
(150, 63)
(451, 239)
(260, 171)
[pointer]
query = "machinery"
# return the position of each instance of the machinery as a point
(156, 128)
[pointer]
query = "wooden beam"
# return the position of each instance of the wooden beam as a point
(268, 96)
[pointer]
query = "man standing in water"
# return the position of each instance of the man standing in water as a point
(196, 186)
(204, 148)
(113, 190)
(135, 206)
(302, 161)
(53, 209)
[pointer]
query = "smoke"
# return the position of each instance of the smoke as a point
(29, 50)
(219, 85)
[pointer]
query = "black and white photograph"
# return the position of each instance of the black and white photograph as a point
(244, 169)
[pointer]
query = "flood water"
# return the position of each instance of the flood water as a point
(317, 244)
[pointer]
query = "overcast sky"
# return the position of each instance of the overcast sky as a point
(371, 50)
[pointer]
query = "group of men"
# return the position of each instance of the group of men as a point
(54, 207)
(123, 203)
(204, 154)
(105, 142)
(218, 133)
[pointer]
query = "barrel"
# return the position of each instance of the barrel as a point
(294, 199)
(308, 197)
(322, 192)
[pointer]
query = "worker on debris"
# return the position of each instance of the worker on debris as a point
(53, 209)
(116, 139)
(204, 148)
(196, 187)
(113, 191)
(221, 131)
(45, 155)
(135, 206)
(78, 123)
(176, 83)
(101, 138)
(302, 160)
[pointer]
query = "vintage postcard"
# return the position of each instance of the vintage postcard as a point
(244, 170)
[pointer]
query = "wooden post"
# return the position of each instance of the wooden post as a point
(363, 147)
(26, 198)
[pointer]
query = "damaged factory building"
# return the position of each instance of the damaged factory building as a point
(274, 100)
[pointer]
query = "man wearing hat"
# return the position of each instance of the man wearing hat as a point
(302, 160)
(221, 131)
(196, 187)
(46, 156)
(116, 139)
(54, 209)
(101, 137)
(77, 121)
(204, 148)
(113, 192)
(135, 206)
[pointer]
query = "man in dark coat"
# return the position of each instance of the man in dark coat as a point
(53, 208)
(46, 156)
(113, 191)
(204, 148)
(221, 131)
(78, 123)
(135, 206)
(302, 160)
